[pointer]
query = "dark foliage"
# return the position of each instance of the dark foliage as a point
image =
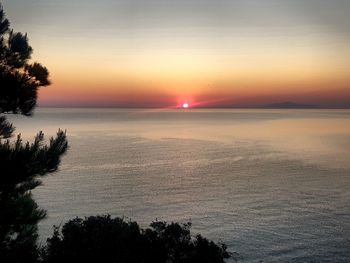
(19, 79)
(6, 128)
(106, 239)
(94, 239)
(21, 164)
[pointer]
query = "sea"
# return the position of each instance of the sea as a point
(272, 184)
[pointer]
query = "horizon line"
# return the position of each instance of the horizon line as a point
(180, 108)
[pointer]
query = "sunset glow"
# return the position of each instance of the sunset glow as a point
(185, 105)
(232, 54)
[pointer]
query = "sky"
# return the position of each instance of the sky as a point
(162, 53)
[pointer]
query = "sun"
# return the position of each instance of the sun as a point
(185, 105)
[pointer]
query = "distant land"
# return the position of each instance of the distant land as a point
(290, 105)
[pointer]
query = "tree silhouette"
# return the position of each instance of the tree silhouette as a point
(21, 164)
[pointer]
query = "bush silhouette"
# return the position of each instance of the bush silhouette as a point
(106, 239)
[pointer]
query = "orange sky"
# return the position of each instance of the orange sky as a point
(161, 53)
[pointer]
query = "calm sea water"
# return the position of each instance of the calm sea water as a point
(274, 185)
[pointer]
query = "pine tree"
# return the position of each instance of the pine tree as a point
(21, 164)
